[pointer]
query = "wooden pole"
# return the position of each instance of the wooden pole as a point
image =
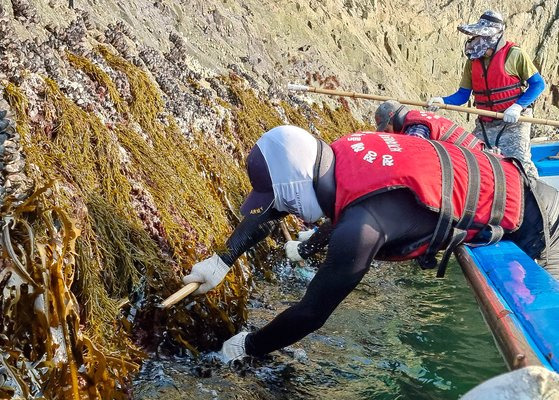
(285, 231)
(179, 294)
(486, 113)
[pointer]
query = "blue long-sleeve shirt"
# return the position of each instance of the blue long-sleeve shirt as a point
(536, 86)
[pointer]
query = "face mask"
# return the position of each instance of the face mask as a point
(477, 46)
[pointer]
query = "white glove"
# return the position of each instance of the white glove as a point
(512, 113)
(209, 272)
(292, 250)
(234, 347)
(303, 236)
(432, 103)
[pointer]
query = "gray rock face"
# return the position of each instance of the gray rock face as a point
(13, 181)
(402, 49)
(399, 48)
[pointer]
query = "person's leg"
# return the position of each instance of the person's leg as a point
(490, 134)
(514, 141)
(549, 198)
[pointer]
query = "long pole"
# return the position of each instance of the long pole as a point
(486, 113)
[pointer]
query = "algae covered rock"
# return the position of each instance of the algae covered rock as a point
(124, 164)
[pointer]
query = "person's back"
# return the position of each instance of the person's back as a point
(390, 196)
(442, 129)
(445, 178)
(393, 117)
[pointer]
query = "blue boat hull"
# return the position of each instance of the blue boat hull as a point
(518, 298)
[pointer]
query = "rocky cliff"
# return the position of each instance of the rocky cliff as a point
(125, 161)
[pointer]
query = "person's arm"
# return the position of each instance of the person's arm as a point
(355, 240)
(418, 130)
(210, 272)
(520, 65)
(536, 86)
(251, 230)
(318, 241)
(459, 97)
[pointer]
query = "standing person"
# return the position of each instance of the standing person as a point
(393, 117)
(390, 197)
(497, 71)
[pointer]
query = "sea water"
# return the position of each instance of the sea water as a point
(402, 334)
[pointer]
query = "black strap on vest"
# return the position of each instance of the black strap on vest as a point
(485, 137)
(498, 138)
(316, 166)
(324, 187)
(487, 92)
(472, 195)
(500, 190)
(493, 232)
(444, 223)
(491, 103)
(460, 231)
(458, 236)
(461, 138)
(473, 144)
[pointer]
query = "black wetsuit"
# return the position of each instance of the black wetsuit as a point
(373, 228)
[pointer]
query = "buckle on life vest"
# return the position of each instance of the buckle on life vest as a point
(426, 261)
(493, 150)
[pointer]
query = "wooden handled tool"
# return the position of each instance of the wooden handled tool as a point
(179, 294)
(470, 110)
(191, 287)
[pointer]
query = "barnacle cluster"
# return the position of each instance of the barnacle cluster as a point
(123, 166)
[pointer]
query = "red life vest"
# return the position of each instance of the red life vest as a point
(442, 129)
(493, 88)
(485, 190)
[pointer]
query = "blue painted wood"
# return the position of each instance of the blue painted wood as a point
(540, 156)
(529, 291)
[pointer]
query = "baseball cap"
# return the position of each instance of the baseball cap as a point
(384, 114)
(261, 198)
(490, 23)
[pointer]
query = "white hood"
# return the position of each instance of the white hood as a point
(290, 153)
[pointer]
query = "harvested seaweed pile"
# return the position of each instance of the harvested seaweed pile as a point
(126, 167)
